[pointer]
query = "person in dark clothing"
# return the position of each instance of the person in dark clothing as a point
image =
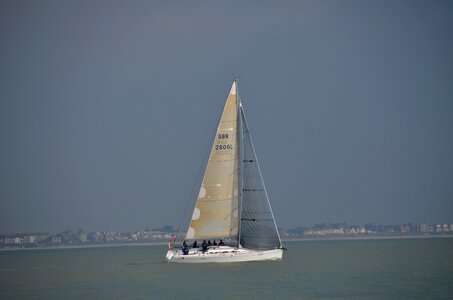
(204, 246)
(185, 249)
(221, 243)
(195, 245)
(209, 243)
(214, 243)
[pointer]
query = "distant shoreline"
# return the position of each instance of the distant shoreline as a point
(376, 237)
(305, 239)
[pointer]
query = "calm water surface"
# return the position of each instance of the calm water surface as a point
(358, 269)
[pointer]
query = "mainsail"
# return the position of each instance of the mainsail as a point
(216, 211)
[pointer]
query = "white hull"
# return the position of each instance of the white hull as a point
(223, 254)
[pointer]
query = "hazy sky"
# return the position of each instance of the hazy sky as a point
(108, 107)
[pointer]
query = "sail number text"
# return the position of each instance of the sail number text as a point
(223, 136)
(224, 147)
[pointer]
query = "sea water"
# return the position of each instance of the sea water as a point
(322, 269)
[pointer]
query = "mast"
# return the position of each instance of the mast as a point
(240, 160)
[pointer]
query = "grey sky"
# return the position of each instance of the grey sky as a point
(107, 108)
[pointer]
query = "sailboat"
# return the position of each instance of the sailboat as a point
(232, 205)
